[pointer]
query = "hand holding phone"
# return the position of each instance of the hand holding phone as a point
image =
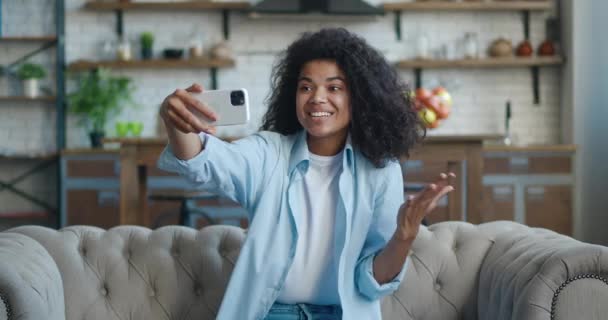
(230, 106)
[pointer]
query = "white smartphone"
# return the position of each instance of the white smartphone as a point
(231, 106)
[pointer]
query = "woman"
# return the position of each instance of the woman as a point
(329, 233)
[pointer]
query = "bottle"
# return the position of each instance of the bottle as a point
(507, 140)
(471, 48)
(422, 47)
(124, 50)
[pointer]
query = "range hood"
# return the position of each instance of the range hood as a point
(337, 7)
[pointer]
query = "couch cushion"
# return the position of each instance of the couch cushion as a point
(441, 281)
(134, 273)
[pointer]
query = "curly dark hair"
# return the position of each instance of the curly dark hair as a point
(383, 127)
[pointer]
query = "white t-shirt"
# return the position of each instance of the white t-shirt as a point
(314, 263)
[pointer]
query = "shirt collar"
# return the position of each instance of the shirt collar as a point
(299, 152)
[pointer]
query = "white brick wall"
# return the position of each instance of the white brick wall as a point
(479, 94)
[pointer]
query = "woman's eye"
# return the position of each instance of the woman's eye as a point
(305, 88)
(335, 88)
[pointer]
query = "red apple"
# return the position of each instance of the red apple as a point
(433, 103)
(445, 102)
(423, 94)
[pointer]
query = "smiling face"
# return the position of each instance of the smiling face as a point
(323, 106)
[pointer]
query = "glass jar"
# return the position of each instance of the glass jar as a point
(422, 47)
(123, 50)
(470, 46)
(196, 48)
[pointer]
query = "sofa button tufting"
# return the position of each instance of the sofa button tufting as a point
(198, 291)
(151, 293)
(104, 291)
(437, 286)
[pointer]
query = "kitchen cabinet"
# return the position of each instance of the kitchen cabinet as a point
(92, 193)
(530, 185)
(459, 154)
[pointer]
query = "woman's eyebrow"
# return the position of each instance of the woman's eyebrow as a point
(303, 78)
(335, 78)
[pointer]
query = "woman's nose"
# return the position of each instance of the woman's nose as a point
(318, 97)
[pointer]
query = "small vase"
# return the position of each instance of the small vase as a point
(96, 139)
(146, 53)
(30, 88)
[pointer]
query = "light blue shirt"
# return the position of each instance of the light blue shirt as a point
(263, 173)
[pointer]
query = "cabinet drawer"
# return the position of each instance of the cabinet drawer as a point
(498, 203)
(528, 165)
(417, 171)
(549, 207)
(92, 168)
(93, 207)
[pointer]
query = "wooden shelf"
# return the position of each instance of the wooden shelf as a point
(23, 98)
(507, 62)
(32, 156)
(29, 39)
(181, 5)
(152, 64)
(537, 5)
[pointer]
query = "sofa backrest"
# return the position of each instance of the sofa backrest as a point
(135, 273)
(180, 273)
(442, 279)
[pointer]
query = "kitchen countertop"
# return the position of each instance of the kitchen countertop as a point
(561, 148)
(493, 147)
(81, 151)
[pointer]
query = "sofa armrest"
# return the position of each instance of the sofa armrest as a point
(30, 282)
(538, 274)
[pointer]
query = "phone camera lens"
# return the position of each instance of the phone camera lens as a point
(237, 98)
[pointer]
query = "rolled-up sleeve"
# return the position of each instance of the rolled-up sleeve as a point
(234, 170)
(389, 198)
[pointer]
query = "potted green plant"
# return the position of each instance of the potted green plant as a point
(30, 73)
(147, 44)
(99, 97)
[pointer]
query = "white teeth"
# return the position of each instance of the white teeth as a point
(320, 114)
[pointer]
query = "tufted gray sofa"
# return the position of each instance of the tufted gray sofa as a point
(499, 270)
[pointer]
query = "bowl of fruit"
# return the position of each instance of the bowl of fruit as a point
(432, 106)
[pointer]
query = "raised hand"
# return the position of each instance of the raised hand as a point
(176, 111)
(417, 206)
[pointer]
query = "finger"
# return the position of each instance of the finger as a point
(178, 107)
(444, 179)
(211, 130)
(427, 193)
(433, 203)
(179, 123)
(190, 101)
(195, 88)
